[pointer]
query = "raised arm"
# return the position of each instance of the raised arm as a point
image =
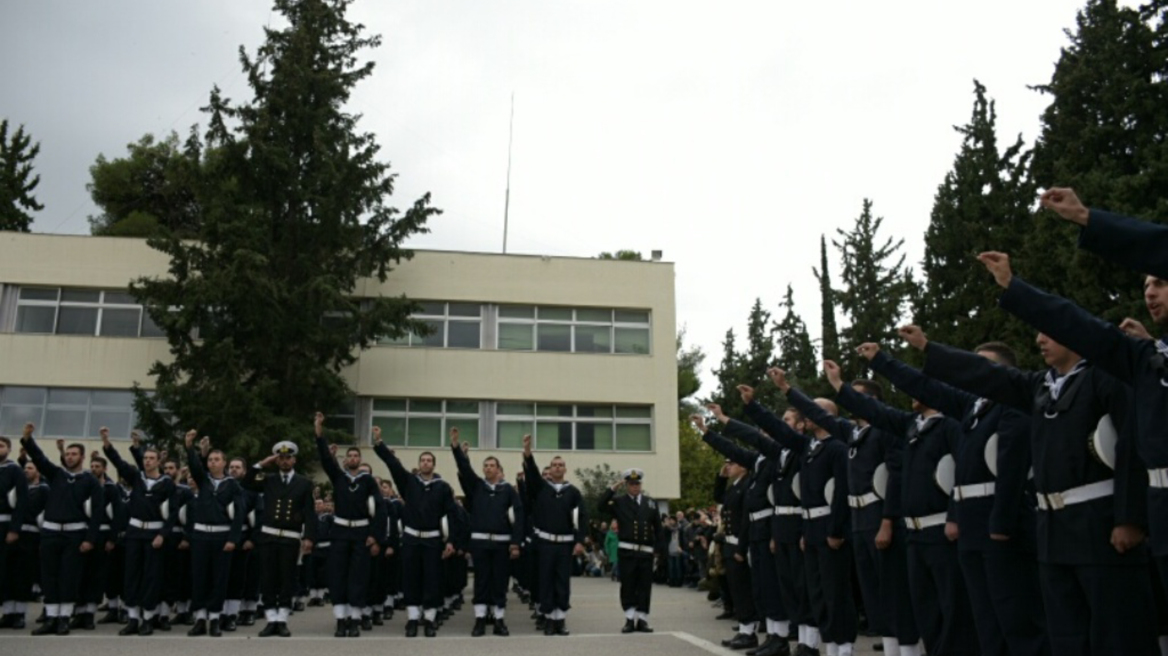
(251, 479)
(756, 439)
(125, 470)
(937, 395)
(973, 373)
(1129, 242)
(400, 475)
(195, 460)
(744, 457)
(43, 464)
(467, 477)
(877, 413)
(608, 501)
(838, 427)
(531, 473)
(328, 459)
(771, 424)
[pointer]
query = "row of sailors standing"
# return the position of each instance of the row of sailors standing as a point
(1008, 510)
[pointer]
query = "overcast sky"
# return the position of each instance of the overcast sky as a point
(729, 135)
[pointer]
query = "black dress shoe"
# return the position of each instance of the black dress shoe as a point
(804, 650)
(215, 631)
(770, 640)
(776, 647)
(501, 628)
(366, 622)
(629, 626)
(561, 628)
(376, 618)
(162, 622)
(412, 629)
(48, 628)
(387, 614)
(246, 618)
(744, 641)
(342, 629)
(7, 620)
(145, 628)
(111, 617)
(298, 606)
(199, 629)
(541, 624)
(354, 628)
(17, 621)
(480, 627)
(269, 630)
(75, 621)
(227, 622)
(429, 629)
(131, 628)
(643, 627)
(549, 626)
(282, 630)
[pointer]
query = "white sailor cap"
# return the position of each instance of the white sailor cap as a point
(285, 448)
(634, 475)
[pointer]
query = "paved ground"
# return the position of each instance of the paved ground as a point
(683, 619)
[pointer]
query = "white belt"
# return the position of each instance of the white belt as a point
(350, 523)
(324, 545)
(861, 500)
(1090, 492)
(422, 534)
(176, 529)
(280, 533)
(928, 521)
(551, 537)
(644, 548)
(492, 537)
(103, 527)
(788, 510)
(213, 528)
(732, 539)
(147, 526)
(5, 518)
(30, 528)
(816, 513)
(761, 514)
(1158, 478)
(975, 491)
(72, 526)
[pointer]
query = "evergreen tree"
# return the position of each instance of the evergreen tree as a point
(983, 204)
(796, 353)
(153, 188)
(829, 344)
(16, 179)
(293, 215)
(729, 375)
(689, 366)
(699, 464)
(875, 287)
(1104, 134)
(759, 357)
(634, 256)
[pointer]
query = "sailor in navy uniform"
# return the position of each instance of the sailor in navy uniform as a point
(1091, 488)
(26, 562)
(118, 513)
(13, 506)
(763, 462)
(215, 519)
(285, 530)
(380, 596)
(874, 462)
(428, 500)
(243, 579)
(150, 523)
(176, 591)
(939, 597)
(994, 508)
(638, 533)
(560, 520)
(1129, 242)
(496, 531)
(98, 566)
(730, 492)
(67, 530)
(358, 522)
(823, 495)
(317, 574)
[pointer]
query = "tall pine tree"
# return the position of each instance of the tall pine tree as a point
(729, 374)
(17, 181)
(796, 354)
(829, 344)
(294, 216)
(983, 204)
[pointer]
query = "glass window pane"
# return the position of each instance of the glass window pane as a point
(80, 296)
(517, 311)
(632, 316)
(393, 430)
(117, 421)
(593, 437)
(389, 405)
(555, 314)
(432, 308)
(425, 432)
(593, 339)
(463, 334)
(462, 407)
(633, 437)
(63, 396)
(120, 323)
(515, 336)
(35, 319)
(24, 396)
(468, 429)
(553, 337)
(519, 409)
(594, 411)
(592, 314)
(64, 423)
(14, 417)
(553, 410)
(38, 294)
(77, 321)
(465, 309)
(510, 434)
(434, 407)
(632, 340)
(435, 338)
(119, 298)
(110, 399)
(633, 411)
(404, 340)
(149, 328)
(553, 435)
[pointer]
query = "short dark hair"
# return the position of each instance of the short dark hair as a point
(1000, 349)
(352, 449)
(490, 458)
(6, 441)
(240, 459)
(76, 445)
(427, 453)
(97, 458)
(869, 387)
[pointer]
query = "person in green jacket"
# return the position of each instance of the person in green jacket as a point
(610, 548)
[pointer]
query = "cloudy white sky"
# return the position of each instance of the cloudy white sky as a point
(728, 135)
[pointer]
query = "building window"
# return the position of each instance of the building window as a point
(425, 422)
(573, 330)
(575, 427)
(67, 412)
(56, 311)
(452, 325)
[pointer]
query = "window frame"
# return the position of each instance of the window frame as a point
(101, 305)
